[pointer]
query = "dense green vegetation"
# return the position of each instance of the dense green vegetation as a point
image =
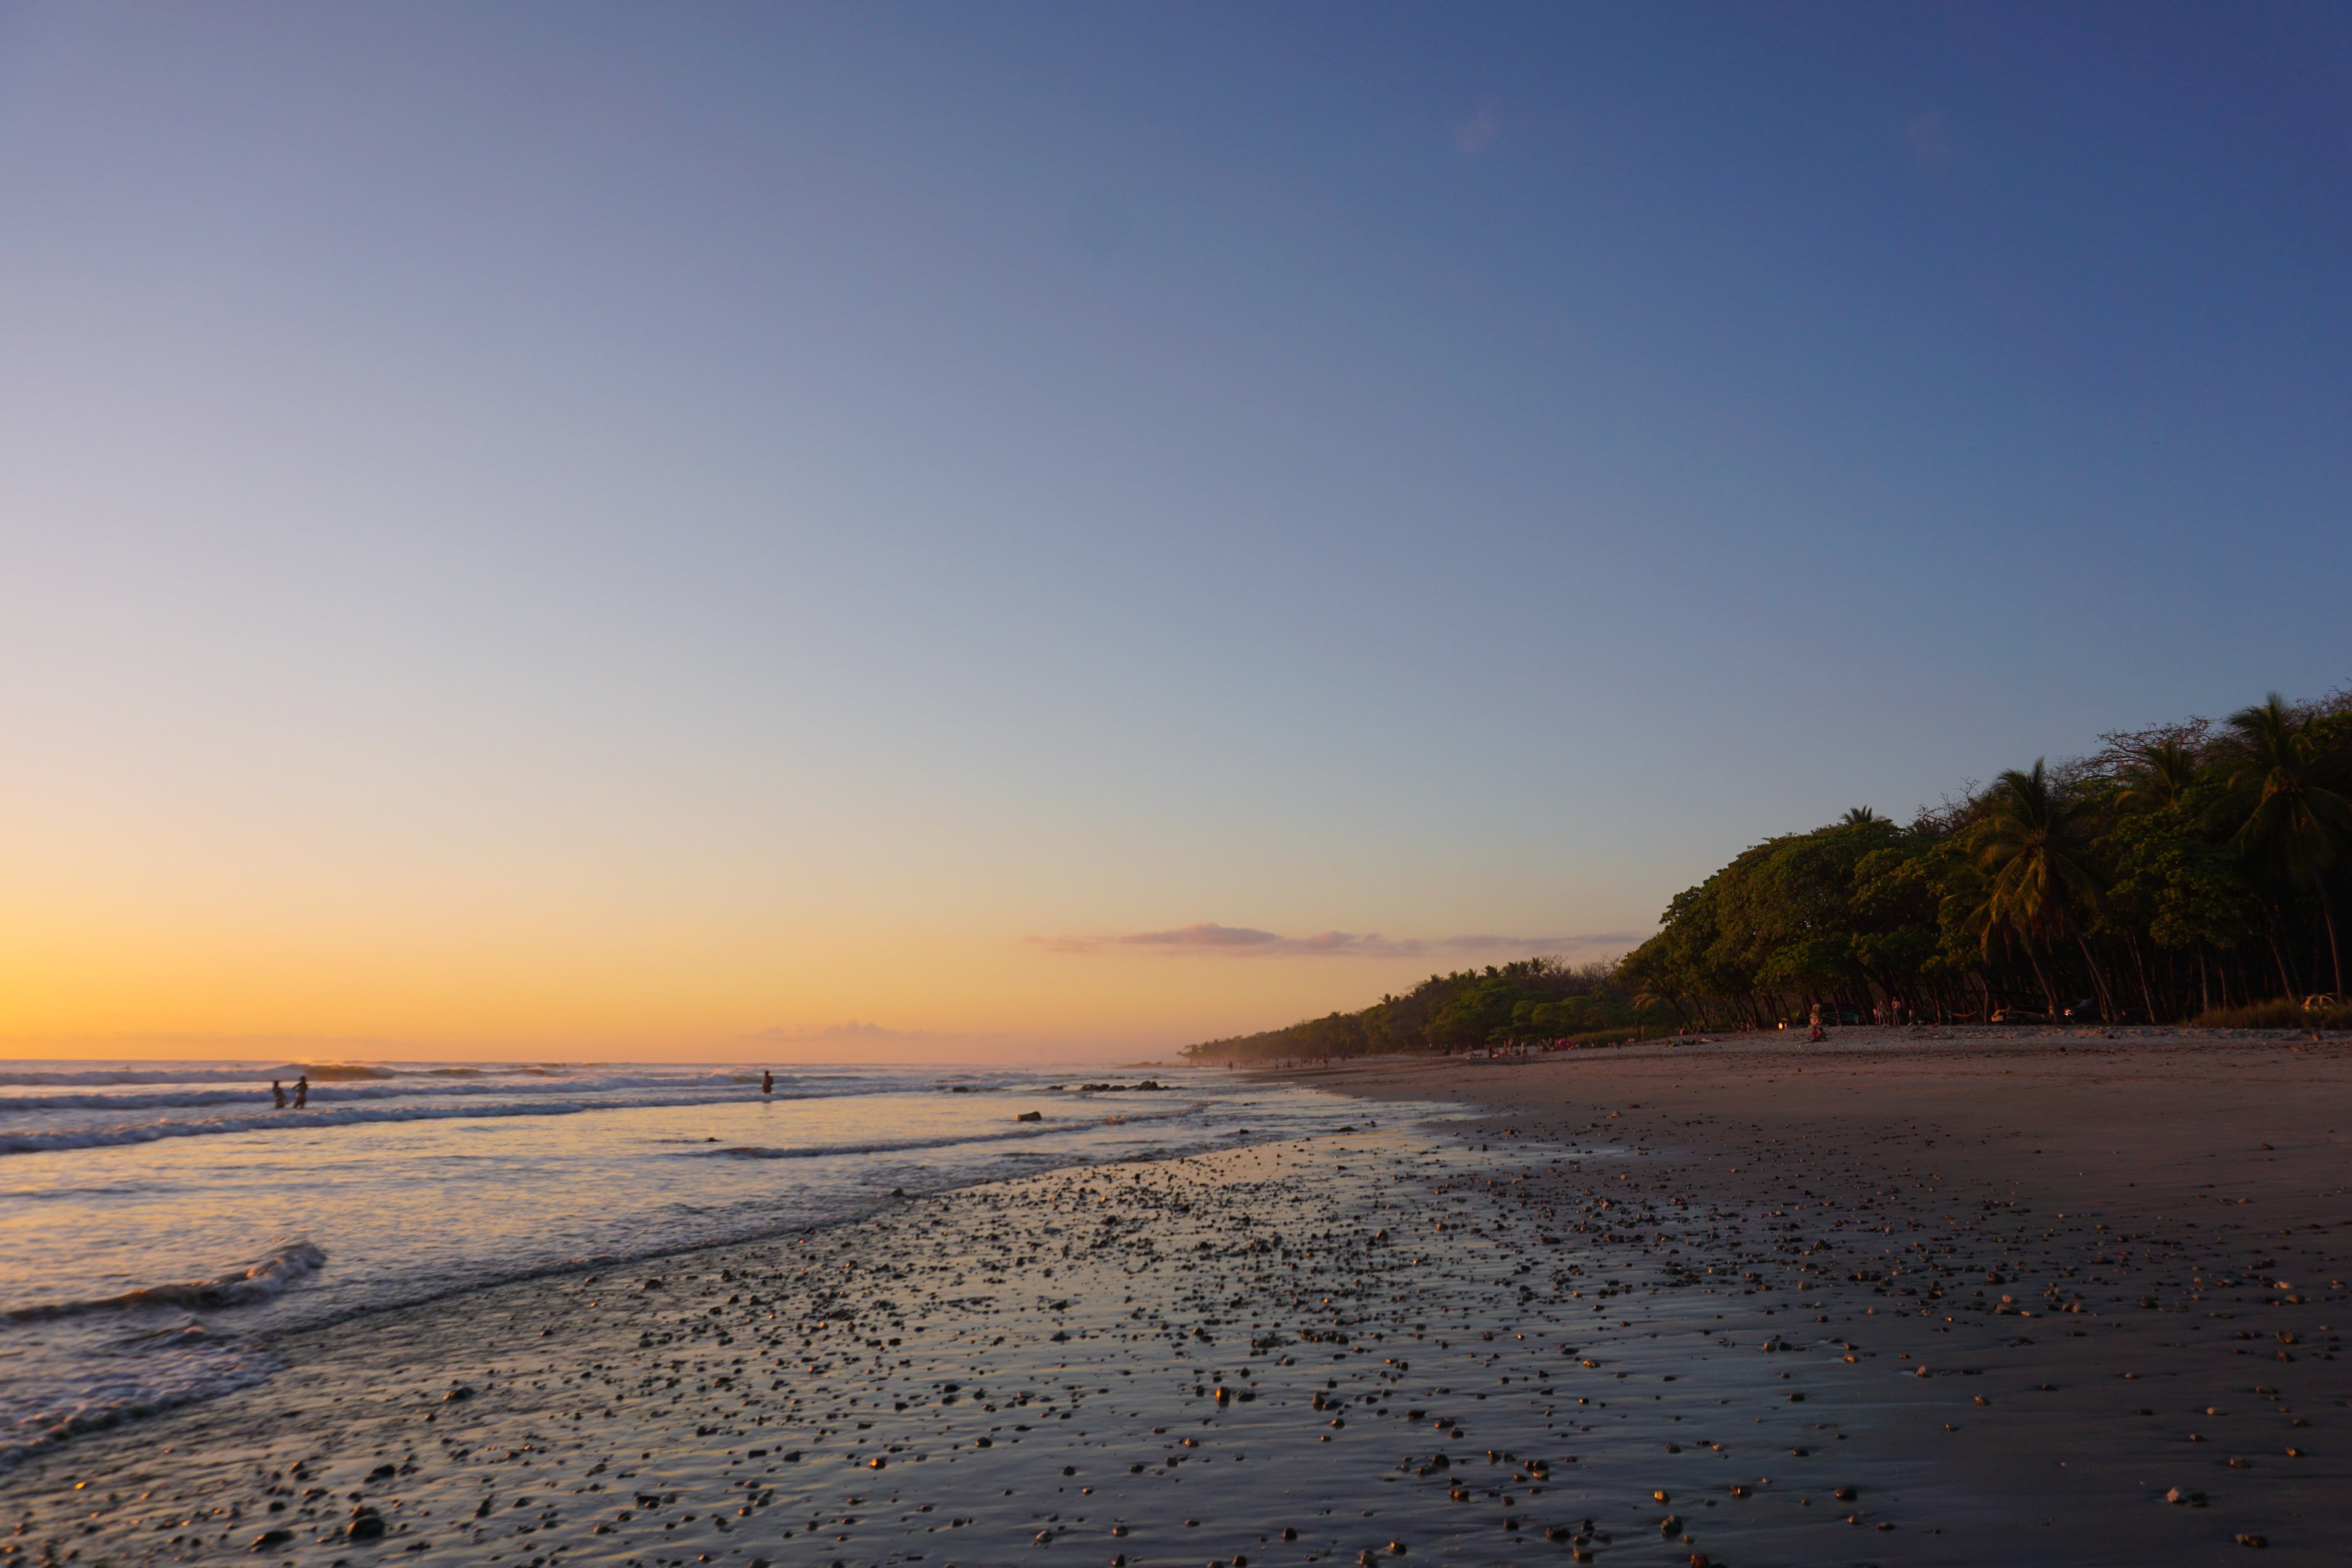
(1531, 999)
(2192, 870)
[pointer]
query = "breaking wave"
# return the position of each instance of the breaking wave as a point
(259, 1281)
(266, 1120)
(949, 1140)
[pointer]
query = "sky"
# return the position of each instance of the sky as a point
(1013, 531)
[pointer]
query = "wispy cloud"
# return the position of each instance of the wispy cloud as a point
(1931, 141)
(1208, 938)
(1472, 134)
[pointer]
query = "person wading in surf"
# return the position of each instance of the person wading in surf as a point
(278, 1093)
(302, 1092)
(767, 1082)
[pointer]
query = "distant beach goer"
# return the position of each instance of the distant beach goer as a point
(302, 1092)
(277, 1092)
(767, 1082)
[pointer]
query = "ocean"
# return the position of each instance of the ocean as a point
(163, 1229)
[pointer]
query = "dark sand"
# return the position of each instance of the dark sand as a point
(2082, 1269)
(1661, 1304)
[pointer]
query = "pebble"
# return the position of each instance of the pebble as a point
(1500, 1334)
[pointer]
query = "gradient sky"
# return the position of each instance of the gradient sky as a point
(670, 530)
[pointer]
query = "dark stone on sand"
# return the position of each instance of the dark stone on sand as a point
(367, 1525)
(270, 1538)
(1031, 1116)
(454, 1394)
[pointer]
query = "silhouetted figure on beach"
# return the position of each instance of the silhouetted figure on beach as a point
(302, 1092)
(278, 1093)
(767, 1082)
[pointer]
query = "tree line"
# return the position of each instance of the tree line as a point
(2190, 871)
(1529, 999)
(2193, 871)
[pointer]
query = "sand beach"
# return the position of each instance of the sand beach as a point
(1894, 1300)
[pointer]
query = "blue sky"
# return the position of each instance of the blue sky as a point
(635, 526)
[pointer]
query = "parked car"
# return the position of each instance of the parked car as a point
(2018, 1015)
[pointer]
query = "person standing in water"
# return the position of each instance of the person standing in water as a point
(302, 1092)
(767, 1081)
(278, 1093)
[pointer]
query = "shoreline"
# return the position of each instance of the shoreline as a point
(116, 1251)
(1494, 1341)
(2177, 1257)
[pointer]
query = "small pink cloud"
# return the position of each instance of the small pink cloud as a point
(1473, 134)
(1207, 937)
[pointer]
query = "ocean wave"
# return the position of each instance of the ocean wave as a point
(947, 1140)
(112, 1391)
(421, 1087)
(259, 1281)
(98, 1077)
(45, 1139)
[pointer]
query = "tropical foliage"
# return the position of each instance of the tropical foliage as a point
(2178, 870)
(2192, 870)
(1531, 999)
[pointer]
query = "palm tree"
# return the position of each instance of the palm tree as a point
(2157, 776)
(2289, 820)
(1859, 817)
(2029, 847)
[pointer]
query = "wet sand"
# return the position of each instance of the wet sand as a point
(1732, 1302)
(2111, 1262)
